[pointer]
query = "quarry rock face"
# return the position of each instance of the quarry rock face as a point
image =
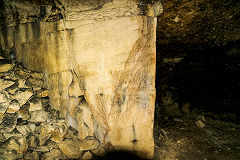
(32, 129)
(99, 62)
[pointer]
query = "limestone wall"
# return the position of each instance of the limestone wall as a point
(30, 128)
(99, 63)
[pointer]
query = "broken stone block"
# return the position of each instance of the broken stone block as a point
(87, 155)
(23, 112)
(13, 107)
(200, 124)
(35, 105)
(38, 116)
(3, 97)
(19, 145)
(21, 72)
(25, 129)
(2, 138)
(12, 134)
(33, 141)
(43, 93)
(70, 148)
(31, 156)
(99, 151)
(43, 149)
(10, 154)
(5, 83)
(34, 82)
(12, 89)
(37, 75)
(9, 122)
(22, 83)
(89, 144)
(56, 130)
(53, 155)
(22, 96)
(6, 67)
(3, 108)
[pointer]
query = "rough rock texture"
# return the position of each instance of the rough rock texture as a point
(99, 61)
(192, 25)
(31, 129)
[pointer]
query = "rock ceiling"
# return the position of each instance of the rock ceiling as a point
(197, 24)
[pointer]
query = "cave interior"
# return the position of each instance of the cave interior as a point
(197, 87)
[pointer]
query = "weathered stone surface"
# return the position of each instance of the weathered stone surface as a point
(34, 82)
(31, 156)
(200, 123)
(35, 105)
(43, 149)
(56, 130)
(89, 144)
(13, 107)
(38, 116)
(26, 129)
(70, 147)
(24, 112)
(3, 108)
(21, 71)
(3, 97)
(87, 155)
(5, 83)
(12, 89)
(43, 93)
(113, 72)
(9, 122)
(37, 75)
(53, 155)
(21, 83)
(22, 96)
(33, 141)
(19, 145)
(6, 67)
(12, 134)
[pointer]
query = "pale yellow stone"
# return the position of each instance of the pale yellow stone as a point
(44, 93)
(13, 107)
(88, 144)
(12, 90)
(21, 83)
(3, 97)
(31, 156)
(56, 130)
(70, 148)
(107, 56)
(34, 106)
(5, 84)
(87, 155)
(38, 116)
(53, 155)
(6, 67)
(22, 96)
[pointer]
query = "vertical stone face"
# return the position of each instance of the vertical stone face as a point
(118, 69)
(100, 68)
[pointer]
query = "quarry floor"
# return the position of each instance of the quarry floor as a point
(198, 136)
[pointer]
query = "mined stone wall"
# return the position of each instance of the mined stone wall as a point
(99, 61)
(29, 127)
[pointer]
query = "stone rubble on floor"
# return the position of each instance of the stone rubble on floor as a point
(29, 128)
